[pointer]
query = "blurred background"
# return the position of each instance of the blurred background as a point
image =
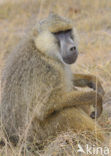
(92, 19)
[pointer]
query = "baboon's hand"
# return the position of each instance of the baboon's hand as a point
(96, 85)
(87, 80)
(98, 107)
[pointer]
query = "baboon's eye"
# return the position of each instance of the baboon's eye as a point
(57, 36)
(63, 32)
(70, 33)
(58, 42)
(72, 37)
(63, 36)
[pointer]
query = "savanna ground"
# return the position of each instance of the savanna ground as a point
(92, 20)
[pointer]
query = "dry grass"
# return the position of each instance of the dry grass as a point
(66, 144)
(92, 20)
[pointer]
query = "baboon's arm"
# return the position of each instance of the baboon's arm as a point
(73, 99)
(91, 81)
(80, 98)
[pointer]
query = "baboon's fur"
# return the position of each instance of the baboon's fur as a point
(38, 99)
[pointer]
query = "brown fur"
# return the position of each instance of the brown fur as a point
(38, 99)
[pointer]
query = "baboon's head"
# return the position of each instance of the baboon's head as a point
(57, 37)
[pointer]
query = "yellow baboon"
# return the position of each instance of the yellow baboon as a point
(38, 97)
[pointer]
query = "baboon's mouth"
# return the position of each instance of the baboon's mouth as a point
(70, 59)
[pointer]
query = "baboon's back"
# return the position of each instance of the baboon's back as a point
(27, 82)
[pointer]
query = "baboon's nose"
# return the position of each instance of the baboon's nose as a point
(72, 48)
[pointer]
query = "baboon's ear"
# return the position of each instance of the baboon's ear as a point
(52, 13)
(35, 30)
(34, 33)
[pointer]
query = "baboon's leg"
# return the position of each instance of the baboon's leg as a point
(71, 118)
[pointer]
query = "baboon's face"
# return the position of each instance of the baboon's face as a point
(68, 49)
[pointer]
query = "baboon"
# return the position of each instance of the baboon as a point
(38, 97)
